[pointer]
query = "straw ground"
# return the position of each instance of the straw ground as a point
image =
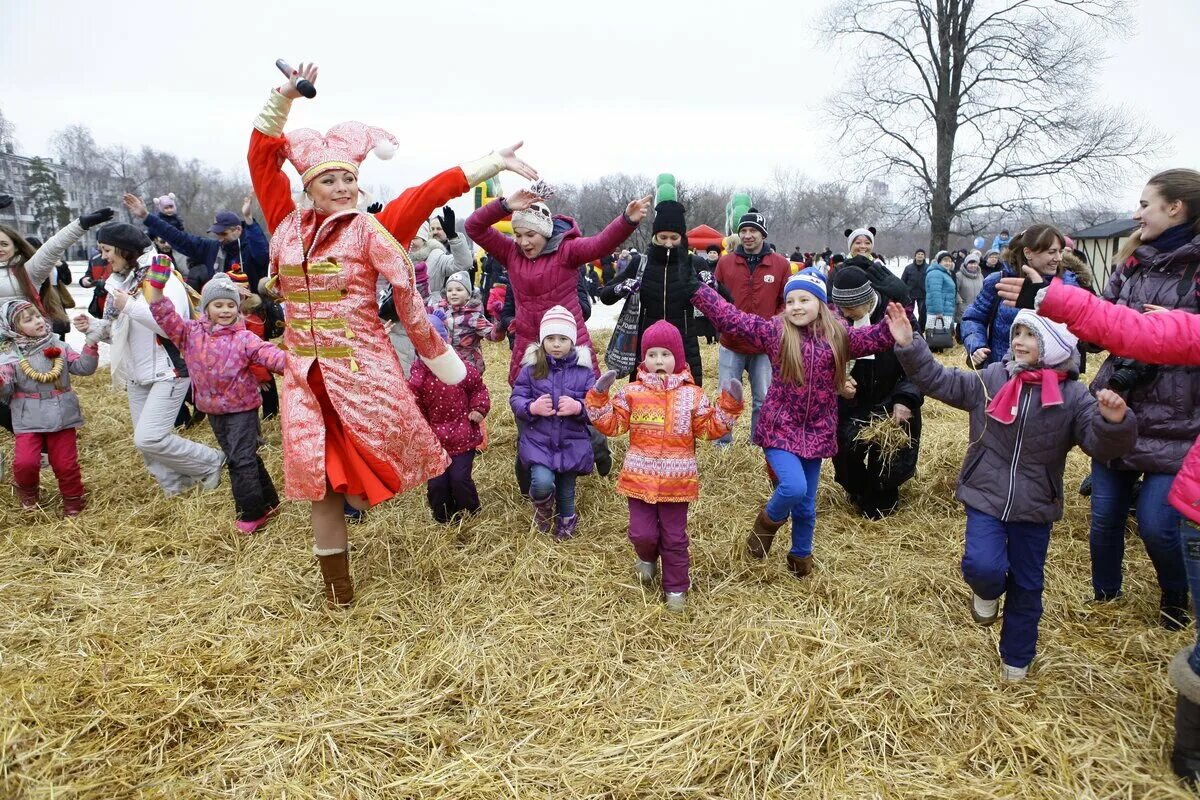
(148, 651)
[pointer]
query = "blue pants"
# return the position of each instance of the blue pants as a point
(1158, 525)
(1009, 558)
(1189, 536)
(544, 481)
(730, 366)
(796, 495)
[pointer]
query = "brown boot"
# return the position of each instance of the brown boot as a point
(799, 565)
(763, 534)
(73, 506)
(335, 571)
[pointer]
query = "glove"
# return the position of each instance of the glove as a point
(1029, 292)
(496, 308)
(95, 218)
(160, 272)
(387, 308)
(687, 277)
(733, 389)
(375, 207)
(606, 381)
(447, 220)
(628, 287)
(569, 406)
(882, 278)
(708, 279)
(542, 407)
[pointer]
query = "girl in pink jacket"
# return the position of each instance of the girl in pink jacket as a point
(219, 352)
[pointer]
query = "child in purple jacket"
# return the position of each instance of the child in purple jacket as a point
(219, 352)
(456, 414)
(552, 423)
(797, 426)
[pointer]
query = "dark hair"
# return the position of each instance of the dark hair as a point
(23, 248)
(1038, 238)
(919, 250)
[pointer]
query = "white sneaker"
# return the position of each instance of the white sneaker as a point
(1012, 674)
(645, 571)
(213, 479)
(676, 601)
(984, 612)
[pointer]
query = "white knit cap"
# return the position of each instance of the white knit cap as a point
(535, 218)
(857, 232)
(1056, 342)
(425, 233)
(462, 277)
(558, 321)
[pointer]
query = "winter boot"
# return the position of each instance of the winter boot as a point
(984, 612)
(543, 513)
(762, 535)
(335, 571)
(566, 527)
(1010, 674)
(645, 571)
(1173, 610)
(799, 566)
(73, 506)
(1185, 756)
(29, 496)
(677, 601)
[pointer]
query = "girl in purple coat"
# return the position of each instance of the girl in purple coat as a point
(456, 414)
(797, 427)
(552, 423)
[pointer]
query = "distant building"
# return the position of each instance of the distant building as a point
(1101, 243)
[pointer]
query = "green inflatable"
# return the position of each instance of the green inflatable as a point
(737, 206)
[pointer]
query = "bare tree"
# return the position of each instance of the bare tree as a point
(967, 101)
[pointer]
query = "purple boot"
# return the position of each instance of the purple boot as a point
(543, 513)
(566, 527)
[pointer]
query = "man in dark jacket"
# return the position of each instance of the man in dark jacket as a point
(239, 240)
(914, 279)
(880, 388)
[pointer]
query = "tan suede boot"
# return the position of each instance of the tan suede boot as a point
(762, 535)
(799, 566)
(335, 571)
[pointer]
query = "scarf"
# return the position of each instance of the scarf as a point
(1003, 407)
(1173, 238)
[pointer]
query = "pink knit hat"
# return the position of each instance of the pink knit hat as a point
(664, 334)
(558, 321)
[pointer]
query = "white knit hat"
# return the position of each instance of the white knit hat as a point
(535, 218)
(462, 277)
(425, 233)
(1057, 344)
(857, 232)
(558, 321)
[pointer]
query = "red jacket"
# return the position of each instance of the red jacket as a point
(759, 292)
(1163, 338)
(446, 407)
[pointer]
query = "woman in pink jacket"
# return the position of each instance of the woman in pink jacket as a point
(1155, 337)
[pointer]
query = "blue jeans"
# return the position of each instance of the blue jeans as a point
(796, 495)
(1009, 558)
(1189, 538)
(544, 481)
(1158, 525)
(730, 366)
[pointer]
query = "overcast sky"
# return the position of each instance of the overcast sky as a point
(709, 91)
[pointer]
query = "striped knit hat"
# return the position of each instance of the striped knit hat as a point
(558, 321)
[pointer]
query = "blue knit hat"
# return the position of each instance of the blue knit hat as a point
(810, 280)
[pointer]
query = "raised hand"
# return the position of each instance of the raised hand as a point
(94, 218)
(135, 205)
(514, 164)
(306, 71)
(246, 208)
(542, 407)
(605, 381)
(638, 209)
(447, 220)
(521, 199)
(1020, 291)
(899, 324)
(82, 322)
(733, 389)
(569, 406)
(375, 207)
(980, 355)
(1112, 405)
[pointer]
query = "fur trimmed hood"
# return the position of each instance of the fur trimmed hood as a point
(583, 355)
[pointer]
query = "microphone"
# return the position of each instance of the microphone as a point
(304, 86)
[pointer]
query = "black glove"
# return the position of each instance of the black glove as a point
(375, 207)
(1028, 296)
(387, 309)
(882, 278)
(95, 218)
(6, 200)
(687, 277)
(447, 220)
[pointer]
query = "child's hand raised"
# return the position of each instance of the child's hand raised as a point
(899, 324)
(542, 407)
(605, 381)
(1112, 405)
(569, 406)
(638, 209)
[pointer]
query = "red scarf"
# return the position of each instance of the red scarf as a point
(1004, 405)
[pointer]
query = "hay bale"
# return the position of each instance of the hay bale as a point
(148, 651)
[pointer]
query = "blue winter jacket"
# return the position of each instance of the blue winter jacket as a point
(941, 295)
(251, 251)
(987, 321)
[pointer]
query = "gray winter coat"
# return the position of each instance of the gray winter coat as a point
(1015, 472)
(1168, 406)
(43, 408)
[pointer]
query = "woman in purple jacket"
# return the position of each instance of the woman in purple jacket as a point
(547, 400)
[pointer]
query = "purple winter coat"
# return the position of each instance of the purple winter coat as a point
(1015, 472)
(558, 443)
(446, 407)
(1168, 422)
(218, 359)
(548, 280)
(799, 419)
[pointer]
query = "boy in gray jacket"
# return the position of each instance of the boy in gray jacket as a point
(1026, 415)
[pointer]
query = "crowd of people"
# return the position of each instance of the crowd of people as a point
(382, 314)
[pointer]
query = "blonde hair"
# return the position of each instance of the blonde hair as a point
(1172, 185)
(791, 352)
(541, 364)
